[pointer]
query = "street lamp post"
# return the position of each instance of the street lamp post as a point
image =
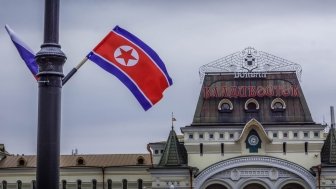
(50, 60)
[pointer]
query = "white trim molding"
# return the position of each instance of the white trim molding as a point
(257, 161)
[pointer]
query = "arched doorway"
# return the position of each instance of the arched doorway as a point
(292, 186)
(254, 186)
(216, 186)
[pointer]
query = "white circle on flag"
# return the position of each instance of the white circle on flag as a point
(126, 55)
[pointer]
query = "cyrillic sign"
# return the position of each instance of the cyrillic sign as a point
(251, 91)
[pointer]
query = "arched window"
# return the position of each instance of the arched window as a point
(80, 161)
(140, 160)
(4, 184)
(109, 184)
(21, 162)
(225, 105)
(251, 105)
(94, 184)
(140, 184)
(278, 105)
(79, 184)
(124, 184)
(64, 183)
(19, 184)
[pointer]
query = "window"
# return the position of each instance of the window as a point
(94, 184)
(284, 147)
(161, 151)
(295, 135)
(191, 136)
(285, 135)
(64, 183)
(231, 135)
(306, 148)
(109, 184)
(201, 149)
(156, 151)
(225, 106)
(221, 135)
(80, 161)
(21, 162)
(19, 184)
(251, 105)
(201, 136)
(140, 183)
(222, 149)
(124, 184)
(278, 105)
(4, 184)
(316, 134)
(79, 184)
(275, 135)
(305, 134)
(211, 136)
(140, 160)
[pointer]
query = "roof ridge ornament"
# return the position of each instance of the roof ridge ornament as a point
(250, 60)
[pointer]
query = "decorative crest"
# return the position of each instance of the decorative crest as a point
(250, 60)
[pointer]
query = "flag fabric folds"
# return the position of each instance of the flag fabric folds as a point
(25, 52)
(133, 63)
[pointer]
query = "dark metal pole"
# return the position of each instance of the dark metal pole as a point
(50, 60)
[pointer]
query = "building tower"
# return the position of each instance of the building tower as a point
(252, 127)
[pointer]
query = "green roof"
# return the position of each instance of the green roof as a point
(175, 153)
(328, 152)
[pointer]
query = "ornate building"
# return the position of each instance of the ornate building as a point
(252, 128)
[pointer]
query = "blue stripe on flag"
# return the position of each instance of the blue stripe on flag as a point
(109, 67)
(28, 57)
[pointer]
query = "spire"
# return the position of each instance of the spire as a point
(175, 153)
(173, 119)
(332, 114)
(328, 152)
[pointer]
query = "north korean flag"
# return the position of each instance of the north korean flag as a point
(134, 63)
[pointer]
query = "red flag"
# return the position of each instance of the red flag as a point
(133, 63)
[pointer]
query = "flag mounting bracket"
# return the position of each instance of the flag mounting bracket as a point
(43, 81)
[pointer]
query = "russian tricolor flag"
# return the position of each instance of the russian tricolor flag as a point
(25, 52)
(133, 63)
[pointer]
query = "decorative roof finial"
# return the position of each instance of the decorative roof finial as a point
(332, 115)
(249, 60)
(173, 119)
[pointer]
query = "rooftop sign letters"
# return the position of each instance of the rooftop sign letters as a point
(251, 91)
(250, 75)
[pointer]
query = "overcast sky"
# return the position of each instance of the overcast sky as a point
(100, 115)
